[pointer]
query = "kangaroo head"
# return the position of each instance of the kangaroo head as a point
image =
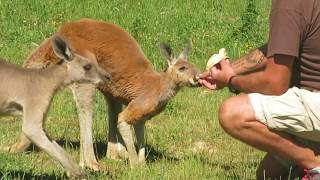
(182, 72)
(80, 69)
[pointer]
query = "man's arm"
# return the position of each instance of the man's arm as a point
(255, 60)
(274, 79)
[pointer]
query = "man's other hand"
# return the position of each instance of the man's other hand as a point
(218, 76)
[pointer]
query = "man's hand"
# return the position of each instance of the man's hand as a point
(218, 76)
(206, 80)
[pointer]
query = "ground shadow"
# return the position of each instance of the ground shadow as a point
(152, 155)
(224, 166)
(28, 175)
(100, 148)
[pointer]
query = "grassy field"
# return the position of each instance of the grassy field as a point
(185, 141)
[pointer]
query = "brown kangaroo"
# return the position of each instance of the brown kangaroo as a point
(28, 92)
(134, 83)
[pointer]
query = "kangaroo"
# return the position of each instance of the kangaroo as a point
(136, 84)
(29, 92)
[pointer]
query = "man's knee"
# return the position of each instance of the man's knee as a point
(227, 114)
(234, 113)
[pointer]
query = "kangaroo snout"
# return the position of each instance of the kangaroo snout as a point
(194, 80)
(104, 77)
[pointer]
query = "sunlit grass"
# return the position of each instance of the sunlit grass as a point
(174, 137)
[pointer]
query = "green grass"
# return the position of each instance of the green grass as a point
(189, 119)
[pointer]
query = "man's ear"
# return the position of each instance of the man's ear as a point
(61, 48)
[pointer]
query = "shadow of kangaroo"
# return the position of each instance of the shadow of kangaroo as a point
(29, 92)
(135, 83)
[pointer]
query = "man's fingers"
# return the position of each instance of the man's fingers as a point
(204, 74)
(209, 78)
(224, 63)
(209, 84)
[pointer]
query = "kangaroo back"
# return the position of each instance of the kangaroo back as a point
(115, 50)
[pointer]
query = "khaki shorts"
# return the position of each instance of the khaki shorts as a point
(296, 112)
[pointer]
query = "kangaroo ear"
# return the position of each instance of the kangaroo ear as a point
(167, 53)
(61, 48)
(185, 53)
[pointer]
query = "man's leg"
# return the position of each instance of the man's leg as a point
(237, 118)
(270, 167)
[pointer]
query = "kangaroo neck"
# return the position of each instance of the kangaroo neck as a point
(169, 87)
(57, 75)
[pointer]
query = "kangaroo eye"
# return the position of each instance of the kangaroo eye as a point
(87, 67)
(183, 68)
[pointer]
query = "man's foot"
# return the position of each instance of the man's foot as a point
(311, 174)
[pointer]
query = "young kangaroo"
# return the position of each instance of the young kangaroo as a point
(28, 92)
(135, 84)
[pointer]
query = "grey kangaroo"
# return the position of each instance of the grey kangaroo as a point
(29, 92)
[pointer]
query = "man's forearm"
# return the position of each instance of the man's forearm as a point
(253, 61)
(253, 82)
(274, 79)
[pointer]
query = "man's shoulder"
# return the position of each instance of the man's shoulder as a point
(306, 10)
(295, 5)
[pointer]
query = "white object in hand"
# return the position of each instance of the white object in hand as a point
(216, 58)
